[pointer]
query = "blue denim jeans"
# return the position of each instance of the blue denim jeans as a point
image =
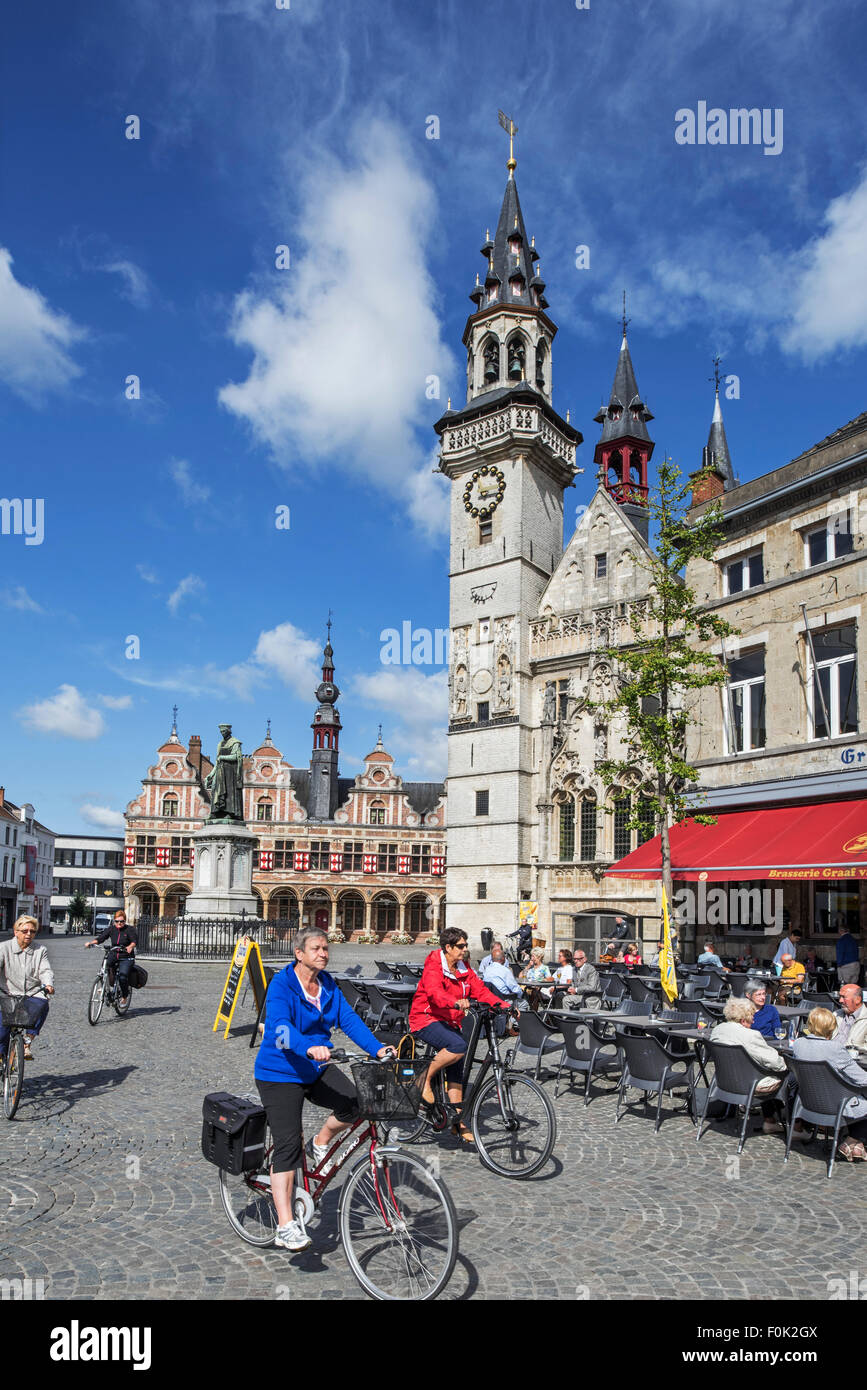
(37, 1010)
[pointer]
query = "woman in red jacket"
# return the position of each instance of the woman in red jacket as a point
(439, 1006)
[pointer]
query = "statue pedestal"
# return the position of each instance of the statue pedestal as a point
(223, 872)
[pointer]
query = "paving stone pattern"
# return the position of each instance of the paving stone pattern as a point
(107, 1194)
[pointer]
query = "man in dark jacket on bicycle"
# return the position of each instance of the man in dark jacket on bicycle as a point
(121, 957)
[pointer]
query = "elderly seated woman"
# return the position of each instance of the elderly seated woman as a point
(537, 973)
(766, 1019)
(737, 1030)
(821, 1045)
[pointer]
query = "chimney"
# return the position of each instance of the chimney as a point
(2, 795)
(712, 485)
(195, 754)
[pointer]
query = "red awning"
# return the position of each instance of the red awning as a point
(828, 840)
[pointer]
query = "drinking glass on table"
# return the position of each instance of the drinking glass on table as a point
(780, 1033)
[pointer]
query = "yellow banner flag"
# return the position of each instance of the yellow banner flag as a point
(667, 976)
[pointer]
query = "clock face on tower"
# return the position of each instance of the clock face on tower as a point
(484, 491)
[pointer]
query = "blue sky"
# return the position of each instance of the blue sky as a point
(305, 387)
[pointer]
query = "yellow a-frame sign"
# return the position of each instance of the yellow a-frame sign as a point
(247, 956)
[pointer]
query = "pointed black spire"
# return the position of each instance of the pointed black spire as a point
(716, 451)
(511, 259)
(626, 415)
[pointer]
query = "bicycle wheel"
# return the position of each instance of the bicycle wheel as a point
(247, 1201)
(513, 1125)
(399, 1228)
(13, 1073)
(95, 1002)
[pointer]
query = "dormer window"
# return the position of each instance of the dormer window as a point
(515, 245)
(517, 283)
(492, 293)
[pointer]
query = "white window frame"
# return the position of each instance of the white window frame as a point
(834, 692)
(747, 721)
(831, 529)
(744, 562)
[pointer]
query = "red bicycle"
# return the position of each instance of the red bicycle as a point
(396, 1218)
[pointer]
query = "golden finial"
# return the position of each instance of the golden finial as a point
(533, 241)
(511, 130)
(568, 415)
(487, 234)
(477, 277)
(448, 403)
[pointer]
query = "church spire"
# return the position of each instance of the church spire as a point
(716, 452)
(326, 727)
(625, 447)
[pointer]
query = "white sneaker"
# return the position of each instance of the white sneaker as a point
(801, 1135)
(319, 1151)
(772, 1127)
(292, 1237)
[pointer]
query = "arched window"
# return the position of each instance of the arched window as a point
(647, 828)
(516, 357)
(377, 813)
(264, 809)
(491, 360)
(588, 828)
(541, 354)
(615, 466)
(622, 833)
(170, 805)
(567, 830)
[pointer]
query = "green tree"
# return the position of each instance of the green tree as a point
(658, 679)
(79, 908)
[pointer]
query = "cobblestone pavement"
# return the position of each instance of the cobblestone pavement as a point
(107, 1195)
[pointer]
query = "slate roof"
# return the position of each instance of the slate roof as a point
(502, 263)
(717, 449)
(616, 418)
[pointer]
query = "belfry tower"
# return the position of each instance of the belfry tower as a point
(509, 457)
(326, 739)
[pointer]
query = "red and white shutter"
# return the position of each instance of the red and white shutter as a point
(370, 864)
(403, 863)
(437, 863)
(266, 859)
(129, 854)
(335, 861)
(302, 861)
(163, 855)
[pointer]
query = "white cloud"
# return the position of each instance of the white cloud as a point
(147, 574)
(194, 494)
(283, 651)
(343, 347)
(135, 285)
(187, 588)
(116, 701)
(418, 741)
(34, 338)
(102, 816)
(18, 597)
(67, 713)
(830, 304)
(286, 651)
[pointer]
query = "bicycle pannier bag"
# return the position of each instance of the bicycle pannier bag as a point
(233, 1132)
(138, 977)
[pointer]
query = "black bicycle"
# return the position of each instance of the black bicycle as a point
(17, 1020)
(511, 1118)
(106, 990)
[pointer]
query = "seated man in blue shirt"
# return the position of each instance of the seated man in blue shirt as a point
(710, 957)
(766, 1020)
(497, 975)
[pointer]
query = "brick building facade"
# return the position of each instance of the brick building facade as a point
(357, 855)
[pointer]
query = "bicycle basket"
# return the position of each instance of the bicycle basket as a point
(389, 1090)
(15, 1010)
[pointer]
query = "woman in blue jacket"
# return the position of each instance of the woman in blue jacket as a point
(303, 1006)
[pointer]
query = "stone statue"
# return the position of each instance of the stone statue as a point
(549, 708)
(600, 743)
(225, 783)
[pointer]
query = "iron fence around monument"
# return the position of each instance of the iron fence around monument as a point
(213, 938)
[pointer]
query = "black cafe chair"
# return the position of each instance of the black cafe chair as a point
(821, 1097)
(642, 992)
(654, 1069)
(535, 1038)
(613, 990)
(583, 1042)
(383, 1014)
(735, 1080)
(821, 1001)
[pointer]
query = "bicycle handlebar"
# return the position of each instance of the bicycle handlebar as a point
(339, 1056)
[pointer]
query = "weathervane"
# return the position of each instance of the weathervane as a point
(623, 319)
(511, 130)
(715, 378)
(328, 624)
